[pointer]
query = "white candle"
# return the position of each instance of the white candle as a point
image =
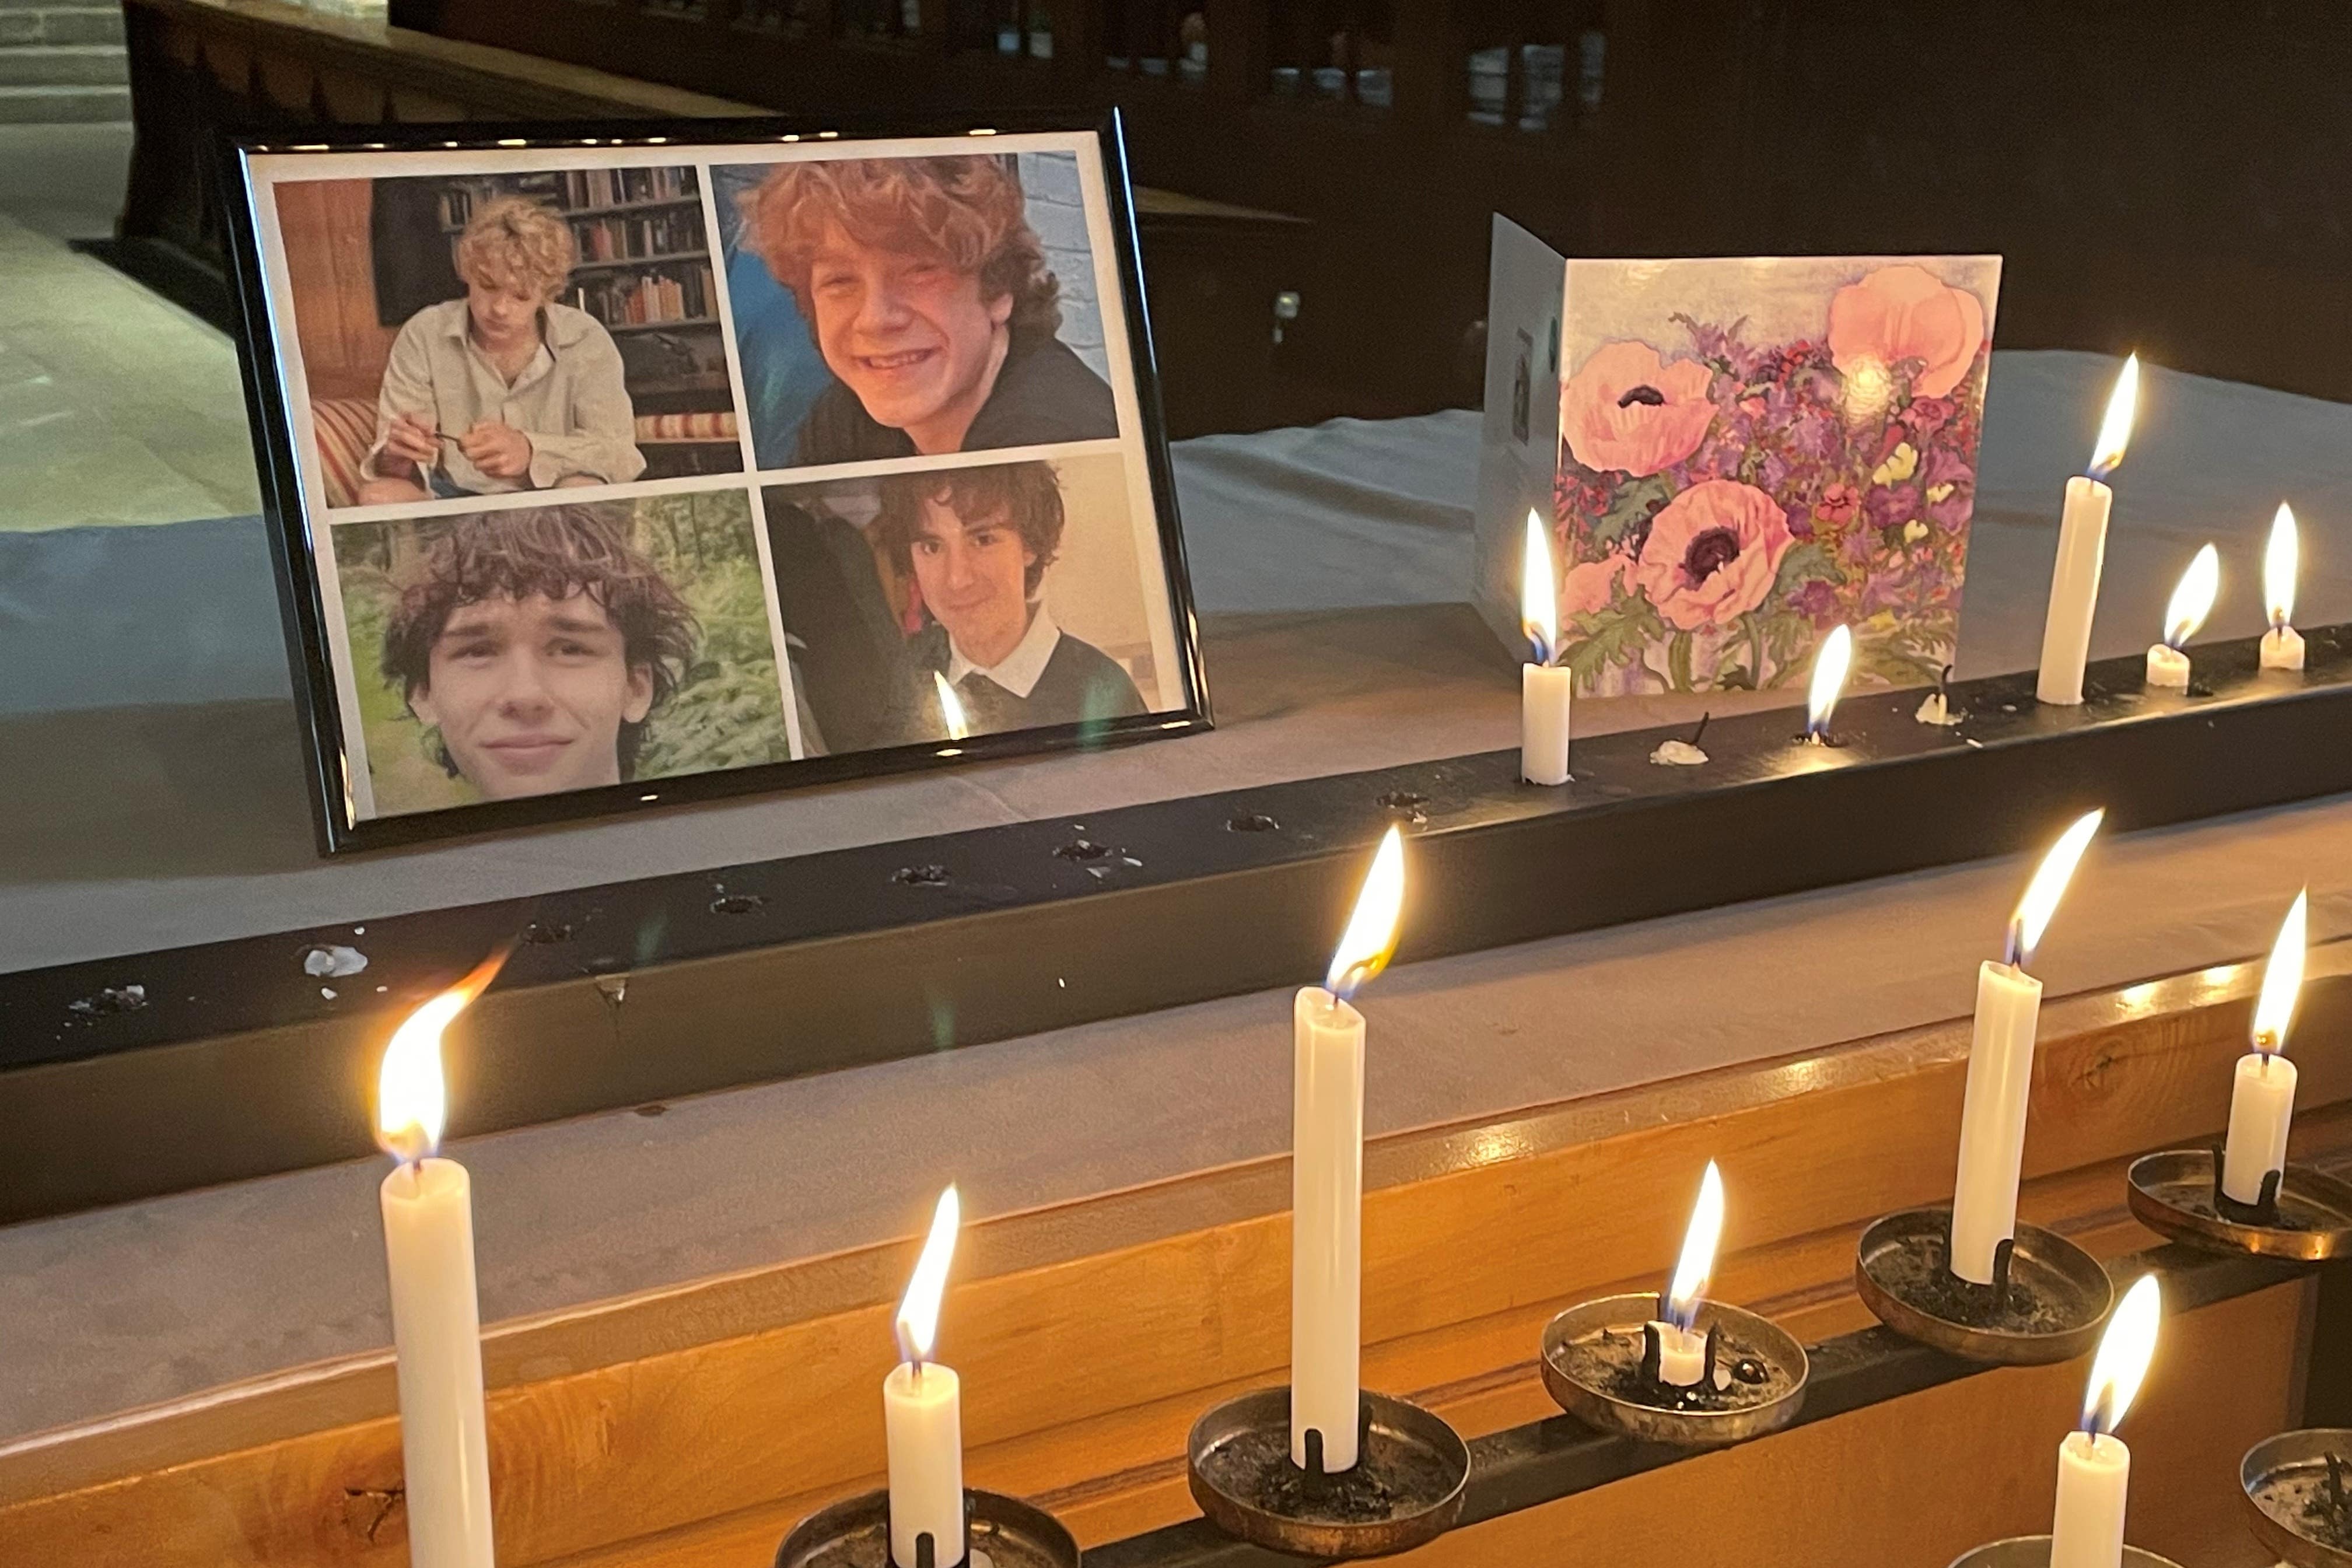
(1326, 1174)
(2282, 645)
(2193, 600)
(2082, 550)
(1681, 1349)
(2282, 648)
(1992, 1120)
(2261, 1106)
(922, 1415)
(1545, 690)
(2086, 1531)
(2094, 1476)
(2000, 1070)
(436, 1332)
(1327, 1178)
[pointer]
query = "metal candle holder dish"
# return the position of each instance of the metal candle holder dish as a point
(2034, 1552)
(2178, 1195)
(1005, 1533)
(1405, 1489)
(2298, 1491)
(1601, 1367)
(2046, 1304)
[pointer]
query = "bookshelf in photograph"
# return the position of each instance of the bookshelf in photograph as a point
(644, 271)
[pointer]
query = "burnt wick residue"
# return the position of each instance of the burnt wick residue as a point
(920, 876)
(1922, 1276)
(1611, 1361)
(1082, 851)
(1251, 822)
(738, 904)
(2293, 1211)
(1406, 803)
(2312, 1500)
(110, 1000)
(1390, 1477)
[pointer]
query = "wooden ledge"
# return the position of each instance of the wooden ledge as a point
(1089, 1333)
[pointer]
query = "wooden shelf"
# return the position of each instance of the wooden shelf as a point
(656, 326)
(620, 262)
(654, 204)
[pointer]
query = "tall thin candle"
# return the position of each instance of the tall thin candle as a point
(922, 1414)
(427, 1204)
(2083, 550)
(1327, 1179)
(2000, 1068)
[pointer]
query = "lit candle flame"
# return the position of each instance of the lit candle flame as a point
(2282, 979)
(952, 709)
(2125, 1351)
(2193, 600)
(1830, 663)
(2049, 885)
(2114, 430)
(918, 1312)
(1371, 931)
(1697, 1261)
(2278, 567)
(1539, 590)
(411, 1096)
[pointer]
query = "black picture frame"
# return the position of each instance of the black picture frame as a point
(295, 526)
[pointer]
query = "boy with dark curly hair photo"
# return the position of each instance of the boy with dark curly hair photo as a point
(538, 646)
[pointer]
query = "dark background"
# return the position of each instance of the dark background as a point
(2168, 177)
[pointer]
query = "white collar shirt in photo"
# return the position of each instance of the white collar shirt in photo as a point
(1018, 671)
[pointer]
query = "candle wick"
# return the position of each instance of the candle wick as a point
(2013, 947)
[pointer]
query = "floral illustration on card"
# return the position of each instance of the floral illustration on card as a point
(1753, 452)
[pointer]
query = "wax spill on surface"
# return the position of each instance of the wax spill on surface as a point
(327, 991)
(1251, 822)
(334, 962)
(920, 876)
(1935, 709)
(109, 999)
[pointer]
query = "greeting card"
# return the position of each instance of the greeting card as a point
(1736, 456)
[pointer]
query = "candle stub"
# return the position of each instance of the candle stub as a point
(2282, 648)
(2167, 667)
(1544, 694)
(1678, 754)
(1682, 1355)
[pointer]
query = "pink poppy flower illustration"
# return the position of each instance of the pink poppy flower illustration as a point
(1713, 553)
(1625, 408)
(1906, 312)
(1591, 586)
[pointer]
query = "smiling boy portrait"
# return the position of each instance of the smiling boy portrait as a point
(928, 294)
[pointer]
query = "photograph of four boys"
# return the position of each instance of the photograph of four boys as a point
(884, 309)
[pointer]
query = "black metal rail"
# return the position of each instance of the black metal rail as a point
(1543, 1461)
(133, 1076)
